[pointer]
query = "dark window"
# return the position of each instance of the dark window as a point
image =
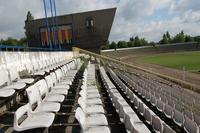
(90, 23)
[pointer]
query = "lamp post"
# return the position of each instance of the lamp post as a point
(57, 30)
(47, 24)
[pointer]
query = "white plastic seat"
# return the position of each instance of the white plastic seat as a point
(40, 73)
(136, 103)
(178, 117)
(197, 119)
(28, 81)
(94, 101)
(97, 129)
(148, 96)
(54, 89)
(14, 76)
(4, 80)
(87, 121)
(167, 129)
(92, 95)
(48, 107)
(160, 105)
(153, 100)
(132, 97)
(141, 108)
(148, 114)
(189, 114)
(157, 124)
(124, 110)
(120, 102)
(90, 109)
(55, 98)
(61, 86)
(168, 111)
(6, 92)
(134, 125)
(36, 103)
(66, 82)
(16, 86)
(190, 126)
(48, 96)
(63, 90)
(36, 120)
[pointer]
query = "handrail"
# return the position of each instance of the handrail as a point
(26, 48)
(182, 83)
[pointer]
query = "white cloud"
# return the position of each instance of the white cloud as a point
(133, 17)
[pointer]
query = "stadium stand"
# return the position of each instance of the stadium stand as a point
(56, 92)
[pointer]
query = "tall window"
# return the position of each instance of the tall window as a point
(89, 23)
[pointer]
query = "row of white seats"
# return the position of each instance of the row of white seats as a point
(173, 95)
(150, 117)
(177, 95)
(167, 88)
(126, 113)
(44, 99)
(10, 79)
(91, 114)
(170, 112)
(184, 119)
(32, 61)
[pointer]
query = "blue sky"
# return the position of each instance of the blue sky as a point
(146, 18)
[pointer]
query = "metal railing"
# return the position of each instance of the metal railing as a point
(26, 48)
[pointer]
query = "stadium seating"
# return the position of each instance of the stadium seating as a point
(31, 120)
(44, 99)
(90, 114)
(143, 104)
(167, 107)
(127, 115)
(150, 117)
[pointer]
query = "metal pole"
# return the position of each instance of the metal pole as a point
(47, 23)
(57, 30)
(52, 23)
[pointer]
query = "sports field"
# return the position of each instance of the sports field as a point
(189, 61)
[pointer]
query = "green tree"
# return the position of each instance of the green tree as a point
(23, 41)
(168, 37)
(131, 42)
(113, 45)
(179, 38)
(152, 44)
(143, 42)
(10, 41)
(106, 46)
(137, 41)
(188, 38)
(131, 39)
(122, 44)
(197, 39)
(13, 41)
(164, 39)
(29, 17)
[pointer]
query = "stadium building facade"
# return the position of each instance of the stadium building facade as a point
(86, 30)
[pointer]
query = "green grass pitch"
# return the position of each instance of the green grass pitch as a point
(190, 61)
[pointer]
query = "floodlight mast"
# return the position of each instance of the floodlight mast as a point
(52, 25)
(57, 30)
(47, 24)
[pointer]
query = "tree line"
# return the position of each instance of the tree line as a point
(166, 39)
(14, 42)
(133, 41)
